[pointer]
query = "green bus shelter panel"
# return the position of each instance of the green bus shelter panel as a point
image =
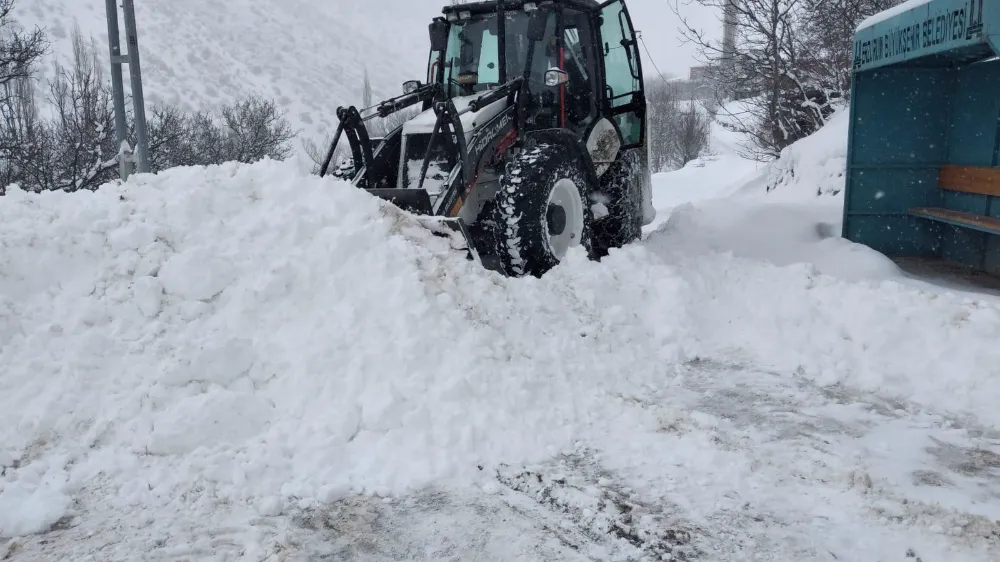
(931, 28)
(991, 254)
(893, 190)
(962, 245)
(894, 235)
(967, 202)
(974, 115)
(899, 118)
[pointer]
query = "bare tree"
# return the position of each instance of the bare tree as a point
(171, 138)
(255, 129)
(663, 108)
(787, 61)
(83, 154)
(678, 129)
(23, 139)
(783, 102)
(691, 135)
(250, 129)
(20, 132)
(366, 91)
(828, 36)
(19, 50)
(76, 149)
(317, 153)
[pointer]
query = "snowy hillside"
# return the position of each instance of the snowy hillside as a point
(241, 359)
(308, 55)
(814, 166)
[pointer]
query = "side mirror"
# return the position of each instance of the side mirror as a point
(411, 86)
(555, 77)
(439, 34)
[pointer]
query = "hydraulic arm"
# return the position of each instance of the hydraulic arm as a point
(352, 124)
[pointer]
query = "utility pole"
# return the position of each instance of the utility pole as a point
(126, 158)
(118, 93)
(139, 102)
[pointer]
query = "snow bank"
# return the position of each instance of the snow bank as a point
(35, 502)
(813, 166)
(253, 335)
(780, 287)
(892, 12)
(719, 172)
(782, 234)
(776, 287)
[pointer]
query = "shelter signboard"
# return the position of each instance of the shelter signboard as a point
(926, 29)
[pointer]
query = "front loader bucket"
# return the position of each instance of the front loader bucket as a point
(454, 229)
(417, 202)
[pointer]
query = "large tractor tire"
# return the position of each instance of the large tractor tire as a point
(622, 186)
(543, 210)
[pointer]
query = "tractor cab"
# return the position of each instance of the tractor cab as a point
(554, 86)
(550, 45)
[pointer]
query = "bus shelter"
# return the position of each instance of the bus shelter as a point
(923, 163)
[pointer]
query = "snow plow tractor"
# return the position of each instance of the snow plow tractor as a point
(530, 138)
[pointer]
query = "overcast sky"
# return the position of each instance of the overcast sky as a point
(660, 30)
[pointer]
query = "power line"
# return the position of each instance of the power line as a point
(650, 57)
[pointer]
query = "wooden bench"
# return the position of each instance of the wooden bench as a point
(966, 179)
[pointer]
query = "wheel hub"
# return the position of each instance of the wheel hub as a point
(556, 219)
(564, 217)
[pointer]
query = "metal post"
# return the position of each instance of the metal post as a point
(132, 39)
(502, 41)
(117, 89)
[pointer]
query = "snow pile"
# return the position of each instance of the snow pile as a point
(782, 234)
(815, 165)
(247, 333)
(772, 288)
(35, 501)
(781, 288)
(719, 172)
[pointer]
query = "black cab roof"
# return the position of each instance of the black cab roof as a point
(488, 6)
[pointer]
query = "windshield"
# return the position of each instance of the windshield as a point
(472, 60)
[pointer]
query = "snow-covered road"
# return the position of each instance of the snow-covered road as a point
(248, 363)
(720, 462)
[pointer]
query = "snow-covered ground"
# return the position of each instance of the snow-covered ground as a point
(246, 362)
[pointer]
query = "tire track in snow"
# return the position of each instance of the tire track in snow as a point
(911, 467)
(794, 436)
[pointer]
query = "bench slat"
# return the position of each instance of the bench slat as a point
(970, 179)
(959, 218)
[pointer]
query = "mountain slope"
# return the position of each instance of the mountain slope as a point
(308, 55)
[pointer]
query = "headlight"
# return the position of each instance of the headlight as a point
(555, 77)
